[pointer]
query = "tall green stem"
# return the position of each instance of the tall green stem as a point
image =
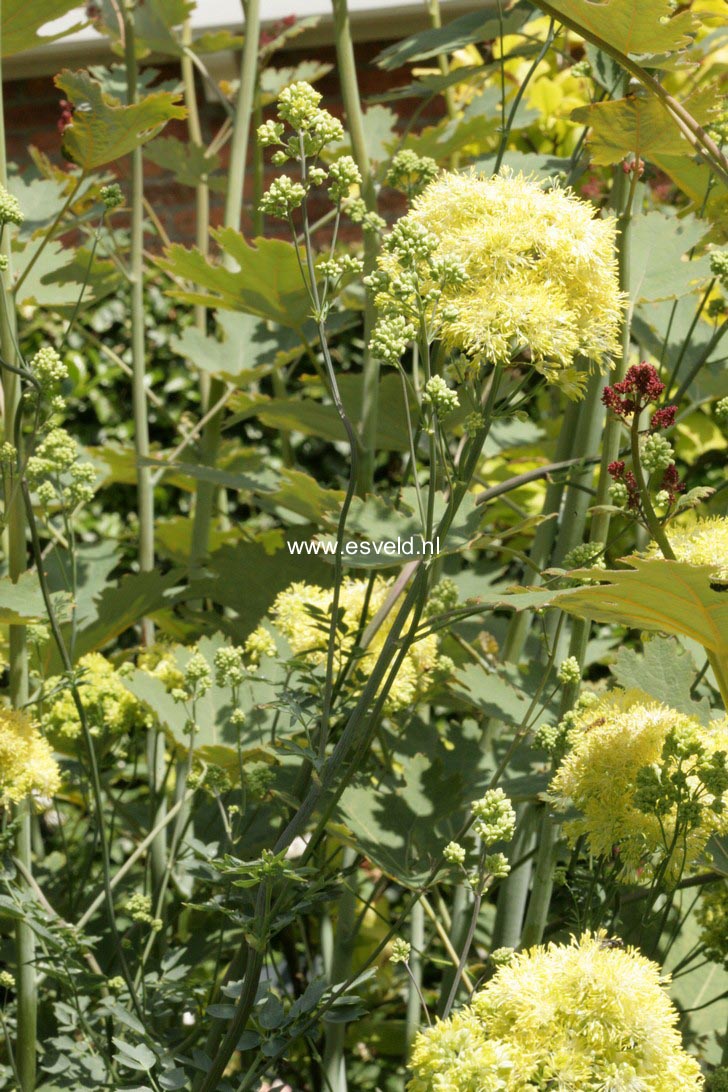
(202, 189)
(355, 121)
(513, 894)
(210, 440)
(414, 996)
(145, 495)
(145, 487)
(543, 879)
(342, 954)
(26, 984)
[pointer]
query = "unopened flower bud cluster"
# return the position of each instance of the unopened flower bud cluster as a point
(438, 395)
(300, 135)
(56, 473)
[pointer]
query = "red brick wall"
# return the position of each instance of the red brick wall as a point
(32, 112)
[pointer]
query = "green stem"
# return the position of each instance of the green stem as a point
(96, 788)
(654, 526)
(202, 189)
(334, 1063)
(210, 441)
(544, 537)
(18, 656)
(139, 399)
(513, 893)
(145, 488)
(540, 901)
(599, 531)
(414, 997)
(702, 359)
(458, 930)
(519, 96)
(355, 121)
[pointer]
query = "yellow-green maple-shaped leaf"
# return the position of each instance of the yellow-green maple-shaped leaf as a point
(640, 124)
(20, 21)
(656, 594)
(103, 129)
(266, 283)
(636, 27)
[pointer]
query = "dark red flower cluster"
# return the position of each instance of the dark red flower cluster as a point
(267, 37)
(66, 115)
(671, 483)
(640, 386)
(619, 473)
(663, 418)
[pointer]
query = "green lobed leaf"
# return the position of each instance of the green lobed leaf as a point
(666, 671)
(188, 162)
(659, 268)
(266, 283)
(634, 27)
(103, 129)
(638, 124)
(657, 595)
(20, 22)
(21, 602)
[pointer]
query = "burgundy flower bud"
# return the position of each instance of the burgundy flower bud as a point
(66, 115)
(640, 386)
(663, 418)
(671, 483)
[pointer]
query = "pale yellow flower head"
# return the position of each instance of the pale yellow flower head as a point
(580, 1017)
(610, 742)
(702, 542)
(27, 765)
(541, 272)
(302, 612)
(455, 1055)
(586, 1016)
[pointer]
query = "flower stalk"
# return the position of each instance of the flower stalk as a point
(355, 119)
(210, 440)
(26, 981)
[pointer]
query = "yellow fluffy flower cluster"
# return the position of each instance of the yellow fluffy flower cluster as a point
(110, 707)
(611, 744)
(702, 542)
(302, 615)
(26, 759)
(582, 1017)
(541, 272)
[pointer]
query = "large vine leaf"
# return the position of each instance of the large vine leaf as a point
(20, 22)
(103, 129)
(657, 595)
(636, 27)
(20, 602)
(189, 163)
(266, 283)
(419, 806)
(639, 124)
(658, 269)
(666, 671)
